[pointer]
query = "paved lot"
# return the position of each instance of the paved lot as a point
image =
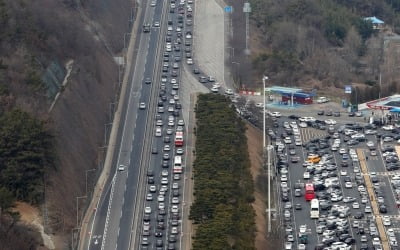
(296, 175)
(209, 39)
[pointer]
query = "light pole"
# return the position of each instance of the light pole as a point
(264, 79)
(125, 39)
(86, 172)
(269, 148)
(77, 209)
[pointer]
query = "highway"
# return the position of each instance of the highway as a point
(127, 205)
(111, 226)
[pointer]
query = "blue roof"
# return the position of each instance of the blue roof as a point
(282, 90)
(374, 20)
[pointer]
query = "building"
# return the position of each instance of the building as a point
(377, 23)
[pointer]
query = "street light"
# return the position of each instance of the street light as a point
(86, 172)
(77, 209)
(269, 149)
(264, 79)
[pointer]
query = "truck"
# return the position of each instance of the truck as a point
(322, 99)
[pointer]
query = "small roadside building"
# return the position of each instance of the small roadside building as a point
(377, 23)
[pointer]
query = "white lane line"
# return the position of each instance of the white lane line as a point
(108, 212)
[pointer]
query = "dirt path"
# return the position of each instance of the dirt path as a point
(254, 142)
(30, 215)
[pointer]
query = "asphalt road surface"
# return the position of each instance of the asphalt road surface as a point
(114, 216)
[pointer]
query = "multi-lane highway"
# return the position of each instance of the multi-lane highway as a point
(140, 206)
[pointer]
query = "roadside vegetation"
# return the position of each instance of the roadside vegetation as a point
(223, 186)
(26, 153)
(325, 45)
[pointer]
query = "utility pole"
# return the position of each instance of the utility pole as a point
(268, 149)
(247, 10)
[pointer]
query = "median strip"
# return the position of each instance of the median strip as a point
(374, 205)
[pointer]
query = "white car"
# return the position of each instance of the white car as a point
(356, 205)
(284, 177)
(161, 205)
(167, 148)
(160, 198)
(189, 61)
(121, 168)
(214, 89)
(175, 200)
(229, 91)
(147, 210)
(342, 151)
(348, 184)
(370, 132)
(218, 85)
(306, 175)
(386, 221)
(149, 197)
(370, 144)
(179, 151)
(164, 173)
(275, 114)
(330, 122)
(175, 185)
(174, 230)
(388, 127)
(343, 172)
(152, 189)
(174, 209)
(307, 119)
(164, 181)
(303, 125)
(142, 105)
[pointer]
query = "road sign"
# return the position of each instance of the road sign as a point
(228, 9)
(347, 89)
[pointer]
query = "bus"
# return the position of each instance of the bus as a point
(314, 212)
(179, 139)
(177, 165)
(310, 194)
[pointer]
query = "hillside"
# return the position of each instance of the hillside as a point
(321, 44)
(57, 70)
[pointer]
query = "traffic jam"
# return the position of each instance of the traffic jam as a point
(340, 190)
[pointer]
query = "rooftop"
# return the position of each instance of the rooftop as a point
(374, 20)
(283, 90)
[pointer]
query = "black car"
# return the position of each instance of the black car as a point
(150, 180)
(383, 209)
(328, 113)
(352, 114)
(165, 164)
(294, 117)
(358, 215)
(298, 206)
(336, 113)
(158, 233)
(320, 112)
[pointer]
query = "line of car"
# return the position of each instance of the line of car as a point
(164, 190)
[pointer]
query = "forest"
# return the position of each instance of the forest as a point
(324, 45)
(223, 187)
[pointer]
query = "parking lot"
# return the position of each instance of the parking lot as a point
(351, 169)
